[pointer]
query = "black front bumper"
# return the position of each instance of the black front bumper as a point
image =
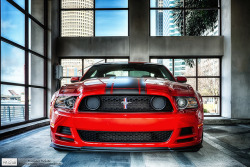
(126, 149)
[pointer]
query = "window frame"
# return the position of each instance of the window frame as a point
(82, 58)
(28, 51)
(94, 9)
(196, 77)
(184, 9)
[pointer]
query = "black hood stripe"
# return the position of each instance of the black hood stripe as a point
(118, 85)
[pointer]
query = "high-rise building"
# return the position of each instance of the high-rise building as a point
(167, 20)
(77, 23)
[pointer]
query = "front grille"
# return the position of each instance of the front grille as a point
(124, 137)
(136, 104)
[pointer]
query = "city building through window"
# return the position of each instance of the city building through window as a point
(184, 17)
(88, 18)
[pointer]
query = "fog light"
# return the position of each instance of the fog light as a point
(158, 103)
(93, 102)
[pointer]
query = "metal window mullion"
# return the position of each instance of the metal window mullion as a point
(60, 17)
(26, 71)
(0, 70)
(220, 63)
(94, 19)
(82, 67)
(45, 55)
(196, 73)
(173, 66)
(184, 18)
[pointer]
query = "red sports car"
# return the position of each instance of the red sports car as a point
(127, 107)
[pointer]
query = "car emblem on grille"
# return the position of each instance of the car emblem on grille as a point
(125, 103)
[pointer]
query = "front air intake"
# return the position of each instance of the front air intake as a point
(124, 137)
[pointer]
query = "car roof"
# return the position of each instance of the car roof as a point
(125, 63)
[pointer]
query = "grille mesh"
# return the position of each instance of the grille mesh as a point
(124, 137)
(136, 104)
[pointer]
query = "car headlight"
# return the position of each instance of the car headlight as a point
(186, 102)
(65, 102)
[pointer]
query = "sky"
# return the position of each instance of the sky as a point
(12, 58)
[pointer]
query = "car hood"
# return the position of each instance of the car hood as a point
(127, 85)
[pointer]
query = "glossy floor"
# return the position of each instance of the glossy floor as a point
(223, 146)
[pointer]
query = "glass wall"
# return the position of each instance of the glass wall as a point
(203, 74)
(184, 17)
(88, 18)
(23, 61)
(77, 67)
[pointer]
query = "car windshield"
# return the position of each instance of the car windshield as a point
(128, 70)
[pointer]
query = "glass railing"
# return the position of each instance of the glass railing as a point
(12, 113)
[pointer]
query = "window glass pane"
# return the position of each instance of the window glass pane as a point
(36, 70)
(117, 60)
(111, 23)
(36, 37)
(12, 23)
(12, 64)
(20, 3)
(166, 62)
(77, 23)
(77, 3)
(36, 103)
(111, 3)
(36, 9)
(209, 86)
(72, 67)
(89, 62)
(202, 23)
(201, 3)
(208, 67)
(166, 3)
(192, 82)
(12, 104)
(166, 23)
(184, 67)
(211, 105)
(65, 81)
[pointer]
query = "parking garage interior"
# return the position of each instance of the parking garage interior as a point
(205, 41)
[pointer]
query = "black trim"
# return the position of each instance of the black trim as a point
(126, 149)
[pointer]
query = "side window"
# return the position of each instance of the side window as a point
(94, 74)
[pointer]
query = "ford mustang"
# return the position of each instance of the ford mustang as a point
(127, 107)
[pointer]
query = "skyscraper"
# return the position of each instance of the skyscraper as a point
(77, 23)
(167, 21)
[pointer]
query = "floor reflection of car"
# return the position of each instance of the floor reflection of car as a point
(127, 107)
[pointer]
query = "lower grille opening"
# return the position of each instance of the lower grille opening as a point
(64, 130)
(186, 131)
(65, 139)
(124, 137)
(185, 140)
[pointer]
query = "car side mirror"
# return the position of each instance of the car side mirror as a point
(181, 79)
(74, 79)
